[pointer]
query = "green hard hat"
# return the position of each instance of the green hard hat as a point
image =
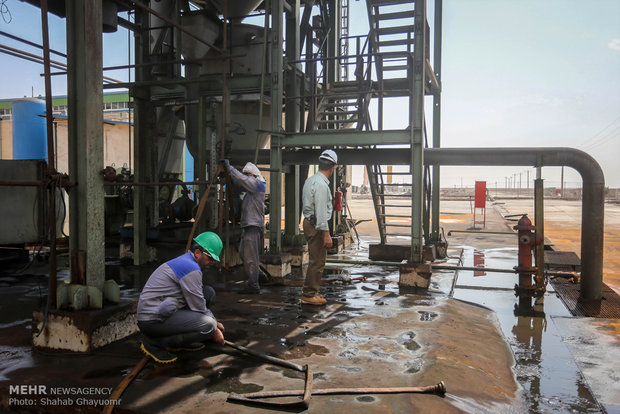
(211, 242)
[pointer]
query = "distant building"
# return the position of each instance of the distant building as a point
(117, 130)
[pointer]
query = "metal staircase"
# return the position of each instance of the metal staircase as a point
(392, 27)
(344, 105)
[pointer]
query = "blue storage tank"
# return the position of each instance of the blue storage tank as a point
(29, 129)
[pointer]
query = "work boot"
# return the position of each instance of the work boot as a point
(196, 346)
(156, 352)
(316, 300)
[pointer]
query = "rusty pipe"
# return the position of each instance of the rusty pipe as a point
(593, 200)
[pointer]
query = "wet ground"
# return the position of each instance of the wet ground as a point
(466, 330)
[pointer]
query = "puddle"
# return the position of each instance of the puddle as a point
(304, 351)
(407, 341)
(226, 379)
(426, 316)
(366, 398)
(413, 366)
(545, 368)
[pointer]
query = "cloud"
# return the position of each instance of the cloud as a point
(614, 44)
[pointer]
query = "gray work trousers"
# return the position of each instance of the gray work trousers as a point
(249, 249)
(318, 255)
(184, 326)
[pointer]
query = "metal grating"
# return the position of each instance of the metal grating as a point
(608, 308)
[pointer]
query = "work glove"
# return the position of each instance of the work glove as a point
(225, 162)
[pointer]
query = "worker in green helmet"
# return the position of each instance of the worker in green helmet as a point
(173, 309)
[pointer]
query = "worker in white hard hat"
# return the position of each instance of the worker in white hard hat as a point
(317, 211)
(252, 182)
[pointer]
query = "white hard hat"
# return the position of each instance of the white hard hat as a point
(329, 156)
(253, 169)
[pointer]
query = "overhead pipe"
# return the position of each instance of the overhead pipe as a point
(593, 199)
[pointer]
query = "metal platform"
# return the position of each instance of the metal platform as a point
(568, 291)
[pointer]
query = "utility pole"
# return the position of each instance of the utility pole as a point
(562, 184)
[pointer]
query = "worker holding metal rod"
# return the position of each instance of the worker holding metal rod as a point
(173, 309)
(252, 182)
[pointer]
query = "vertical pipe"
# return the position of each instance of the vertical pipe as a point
(539, 220)
(51, 168)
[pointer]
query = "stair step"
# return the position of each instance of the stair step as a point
(397, 225)
(395, 215)
(339, 113)
(394, 30)
(396, 42)
(396, 15)
(389, 2)
(335, 121)
(396, 67)
(338, 104)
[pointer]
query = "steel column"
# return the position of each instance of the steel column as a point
(436, 118)
(292, 212)
(275, 214)
(143, 125)
(416, 121)
(85, 107)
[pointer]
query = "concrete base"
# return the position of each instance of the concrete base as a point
(277, 265)
(415, 275)
(398, 252)
(83, 331)
(299, 255)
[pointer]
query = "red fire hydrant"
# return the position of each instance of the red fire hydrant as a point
(527, 242)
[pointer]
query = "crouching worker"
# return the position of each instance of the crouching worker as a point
(173, 309)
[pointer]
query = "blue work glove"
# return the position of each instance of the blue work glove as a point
(225, 162)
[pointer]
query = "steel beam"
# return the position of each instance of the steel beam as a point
(347, 138)
(85, 106)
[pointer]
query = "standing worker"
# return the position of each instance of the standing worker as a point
(173, 309)
(317, 211)
(252, 221)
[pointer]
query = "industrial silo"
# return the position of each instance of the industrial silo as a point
(29, 129)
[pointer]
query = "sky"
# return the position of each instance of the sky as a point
(525, 73)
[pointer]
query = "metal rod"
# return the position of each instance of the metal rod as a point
(28, 42)
(442, 267)
(201, 207)
(122, 386)
(154, 184)
(432, 389)
(270, 359)
(39, 59)
(481, 232)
